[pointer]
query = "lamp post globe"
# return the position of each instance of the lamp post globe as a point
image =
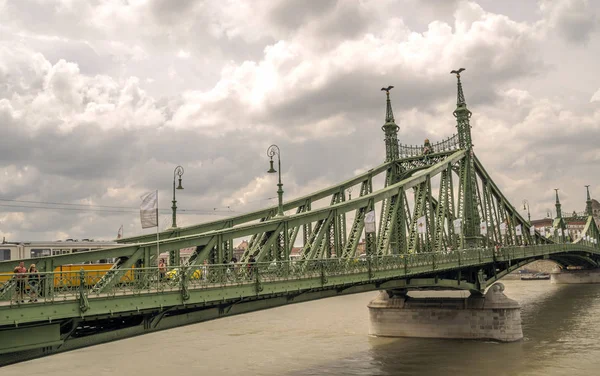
(272, 151)
(178, 172)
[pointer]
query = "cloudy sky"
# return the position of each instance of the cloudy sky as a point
(101, 99)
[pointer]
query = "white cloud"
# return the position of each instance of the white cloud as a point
(573, 20)
(183, 54)
(219, 82)
(595, 97)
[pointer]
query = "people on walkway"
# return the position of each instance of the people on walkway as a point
(34, 283)
(162, 269)
(205, 270)
(231, 268)
(20, 276)
(251, 266)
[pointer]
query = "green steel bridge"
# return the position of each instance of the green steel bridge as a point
(443, 224)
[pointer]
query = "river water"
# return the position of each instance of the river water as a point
(561, 325)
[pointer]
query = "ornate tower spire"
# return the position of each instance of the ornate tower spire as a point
(558, 211)
(588, 202)
(390, 129)
(462, 115)
(470, 213)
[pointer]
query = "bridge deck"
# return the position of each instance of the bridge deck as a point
(143, 290)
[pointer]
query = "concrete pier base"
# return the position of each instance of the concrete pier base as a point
(492, 316)
(563, 276)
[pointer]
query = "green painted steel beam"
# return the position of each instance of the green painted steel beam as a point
(374, 271)
(256, 215)
(33, 337)
(496, 191)
(289, 205)
(293, 220)
(420, 283)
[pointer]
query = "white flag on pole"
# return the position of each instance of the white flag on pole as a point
(483, 228)
(370, 222)
(543, 231)
(457, 225)
(560, 232)
(502, 228)
(421, 225)
(518, 230)
(149, 209)
(532, 231)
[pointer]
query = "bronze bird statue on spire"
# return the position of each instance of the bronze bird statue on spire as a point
(457, 72)
(387, 89)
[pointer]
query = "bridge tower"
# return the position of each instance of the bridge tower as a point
(559, 223)
(588, 202)
(468, 202)
(390, 130)
(393, 175)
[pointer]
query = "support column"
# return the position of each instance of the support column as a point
(492, 316)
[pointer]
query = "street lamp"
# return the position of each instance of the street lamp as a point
(526, 207)
(177, 172)
(271, 152)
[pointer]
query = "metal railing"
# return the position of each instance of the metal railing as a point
(449, 144)
(61, 286)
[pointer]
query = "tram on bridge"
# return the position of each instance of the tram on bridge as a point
(34, 249)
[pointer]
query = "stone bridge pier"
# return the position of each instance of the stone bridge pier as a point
(492, 316)
(577, 276)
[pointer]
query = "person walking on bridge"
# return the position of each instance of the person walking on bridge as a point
(251, 266)
(162, 269)
(20, 275)
(205, 270)
(34, 282)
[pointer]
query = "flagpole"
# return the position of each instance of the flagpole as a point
(157, 227)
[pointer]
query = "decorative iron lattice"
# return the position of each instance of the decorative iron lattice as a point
(449, 144)
(68, 286)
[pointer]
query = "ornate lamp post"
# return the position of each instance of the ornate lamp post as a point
(271, 152)
(177, 172)
(526, 207)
